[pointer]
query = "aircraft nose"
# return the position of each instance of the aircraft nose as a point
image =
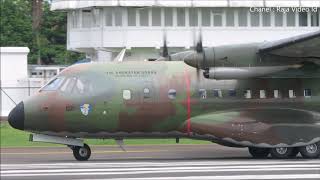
(16, 117)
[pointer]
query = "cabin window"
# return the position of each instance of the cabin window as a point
(203, 93)
(126, 94)
(307, 93)
(172, 93)
(217, 93)
(53, 85)
(247, 94)
(263, 94)
(146, 93)
(276, 93)
(292, 94)
(83, 86)
(232, 93)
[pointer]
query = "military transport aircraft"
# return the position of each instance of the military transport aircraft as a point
(263, 96)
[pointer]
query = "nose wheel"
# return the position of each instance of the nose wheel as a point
(81, 153)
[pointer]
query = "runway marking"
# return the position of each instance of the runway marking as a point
(240, 177)
(274, 169)
(148, 163)
(90, 173)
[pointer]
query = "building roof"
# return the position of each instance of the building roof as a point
(14, 50)
(77, 4)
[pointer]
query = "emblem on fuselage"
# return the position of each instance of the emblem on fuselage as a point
(85, 109)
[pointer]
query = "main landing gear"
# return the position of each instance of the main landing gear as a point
(81, 153)
(311, 151)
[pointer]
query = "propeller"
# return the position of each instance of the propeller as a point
(200, 52)
(165, 52)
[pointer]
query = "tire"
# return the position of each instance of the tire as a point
(82, 153)
(283, 153)
(259, 153)
(311, 151)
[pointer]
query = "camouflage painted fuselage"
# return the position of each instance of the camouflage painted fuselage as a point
(162, 99)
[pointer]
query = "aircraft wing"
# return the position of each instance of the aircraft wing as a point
(303, 46)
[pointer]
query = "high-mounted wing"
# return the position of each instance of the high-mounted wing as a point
(303, 46)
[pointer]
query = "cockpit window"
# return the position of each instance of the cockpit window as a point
(53, 85)
(83, 86)
(68, 85)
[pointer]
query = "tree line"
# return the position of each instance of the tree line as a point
(31, 23)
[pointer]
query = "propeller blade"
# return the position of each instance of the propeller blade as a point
(165, 52)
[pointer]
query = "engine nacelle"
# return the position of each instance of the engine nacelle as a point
(244, 72)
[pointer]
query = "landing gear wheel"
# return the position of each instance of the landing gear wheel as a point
(283, 152)
(310, 151)
(81, 153)
(259, 153)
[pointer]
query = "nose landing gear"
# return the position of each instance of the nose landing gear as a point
(81, 153)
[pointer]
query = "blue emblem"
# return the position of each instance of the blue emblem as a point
(85, 109)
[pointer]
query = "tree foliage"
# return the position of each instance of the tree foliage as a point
(17, 30)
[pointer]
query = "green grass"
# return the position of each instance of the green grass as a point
(15, 138)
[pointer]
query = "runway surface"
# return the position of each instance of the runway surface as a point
(155, 162)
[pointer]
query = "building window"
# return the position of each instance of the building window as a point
(303, 19)
(292, 94)
(172, 93)
(86, 18)
(96, 17)
(315, 18)
(126, 94)
(255, 19)
(291, 19)
(193, 17)
(74, 19)
(131, 17)
(266, 19)
(168, 17)
(263, 94)
(232, 93)
(307, 93)
(181, 17)
(156, 17)
(146, 93)
(217, 17)
(230, 17)
(242, 17)
(247, 94)
(206, 16)
(108, 17)
(144, 17)
(278, 19)
(217, 93)
(118, 17)
(203, 93)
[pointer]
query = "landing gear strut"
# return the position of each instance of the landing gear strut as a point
(81, 153)
(259, 153)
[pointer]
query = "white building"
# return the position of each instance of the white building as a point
(13, 72)
(98, 27)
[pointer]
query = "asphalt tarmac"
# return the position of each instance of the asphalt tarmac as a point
(155, 162)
